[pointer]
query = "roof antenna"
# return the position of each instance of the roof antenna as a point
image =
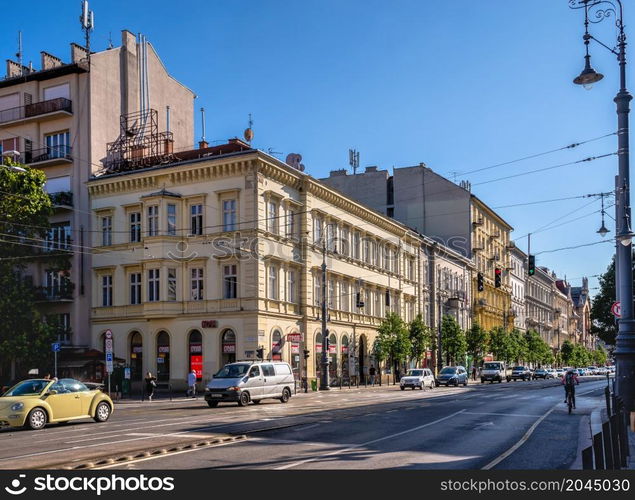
(249, 132)
(19, 53)
(202, 144)
(353, 160)
(110, 45)
(87, 20)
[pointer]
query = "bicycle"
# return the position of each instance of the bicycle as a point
(570, 400)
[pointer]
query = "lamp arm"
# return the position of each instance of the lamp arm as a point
(612, 50)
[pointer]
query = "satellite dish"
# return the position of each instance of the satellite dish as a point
(294, 159)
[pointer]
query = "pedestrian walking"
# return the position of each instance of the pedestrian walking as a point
(151, 383)
(371, 372)
(191, 384)
(474, 370)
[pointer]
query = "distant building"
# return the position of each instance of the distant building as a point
(518, 284)
(539, 302)
(582, 307)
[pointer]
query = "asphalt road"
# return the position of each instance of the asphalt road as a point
(516, 425)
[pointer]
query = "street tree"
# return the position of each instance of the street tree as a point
(567, 353)
(599, 357)
(393, 341)
(517, 348)
(477, 340)
(499, 343)
(421, 339)
(453, 340)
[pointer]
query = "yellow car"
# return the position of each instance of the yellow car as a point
(34, 403)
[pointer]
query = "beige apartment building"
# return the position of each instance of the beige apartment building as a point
(60, 118)
(205, 260)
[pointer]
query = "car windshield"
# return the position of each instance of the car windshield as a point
(492, 366)
(232, 371)
(27, 388)
(415, 373)
(519, 368)
(448, 370)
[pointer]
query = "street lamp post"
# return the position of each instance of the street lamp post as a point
(324, 379)
(625, 340)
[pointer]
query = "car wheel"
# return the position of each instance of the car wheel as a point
(36, 419)
(212, 404)
(256, 401)
(402, 388)
(102, 412)
(286, 395)
(422, 386)
(243, 399)
(465, 383)
(482, 381)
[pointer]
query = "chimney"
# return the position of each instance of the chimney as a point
(371, 169)
(49, 61)
(78, 53)
(337, 173)
(129, 41)
(14, 69)
(203, 144)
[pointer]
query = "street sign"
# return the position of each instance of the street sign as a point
(616, 309)
(108, 349)
(56, 346)
(126, 373)
(108, 344)
(108, 334)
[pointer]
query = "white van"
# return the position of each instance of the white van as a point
(247, 381)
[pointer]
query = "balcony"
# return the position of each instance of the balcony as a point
(62, 293)
(62, 199)
(46, 157)
(40, 111)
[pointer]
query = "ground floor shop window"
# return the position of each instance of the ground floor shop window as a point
(136, 356)
(228, 347)
(163, 356)
(196, 353)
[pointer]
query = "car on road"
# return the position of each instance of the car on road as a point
(452, 375)
(560, 372)
(602, 370)
(417, 377)
(495, 371)
(247, 381)
(543, 373)
(592, 370)
(521, 372)
(34, 403)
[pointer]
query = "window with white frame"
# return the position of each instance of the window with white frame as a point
(330, 236)
(317, 289)
(196, 283)
(356, 245)
(172, 284)
(331, 294)
(366, 251)
(317, 229)
(59, 236)
(291, 223)
(106, 230)
(291, 286)
(378, 302)
(106, 290)
(345, 298)
(272, 216)
(345, 241)
(135, 226)
(273, 282)
(230, 281)
(171, 219)
(153, 220)
(196, 219)
(229, 215)
(58, 144)
(135, 288)
(153, 285)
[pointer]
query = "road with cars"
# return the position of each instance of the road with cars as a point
(508, 425)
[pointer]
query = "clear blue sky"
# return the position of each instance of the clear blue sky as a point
(457, 84)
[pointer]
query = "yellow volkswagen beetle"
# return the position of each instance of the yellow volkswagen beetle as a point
(36, 402)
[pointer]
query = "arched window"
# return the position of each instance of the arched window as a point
(228, 347)
(345, 358)
(163, 356)
(136, 356)
(276, 345)
(318, 354)
(195, 350)
(333, 358)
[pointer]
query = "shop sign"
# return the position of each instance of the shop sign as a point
(294, 337)
(249, 354)
(209, 323)
(160, 361)
(137, 348)
(229, 348)
(318, 348)
(261, 333)
(295, 348)
(196, 348)
(133, 355)
(344, 349)
(164, 348)
(196, 364)
(332, 349)
(126, 373)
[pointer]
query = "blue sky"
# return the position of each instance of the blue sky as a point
(456, 84)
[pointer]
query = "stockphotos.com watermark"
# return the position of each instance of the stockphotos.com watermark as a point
(88, 484)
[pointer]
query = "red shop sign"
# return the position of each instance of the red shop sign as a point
(209, 323)
(196, 363)
(229, 348)
(294, 337)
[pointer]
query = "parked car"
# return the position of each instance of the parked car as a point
(520, 372)
(543, 373)
(495, 371)
(247, 381)
(581, 371)
(452, 375)
(592, 370)
(417, 377)
(36, 402)
(560, 372)
(553, 372)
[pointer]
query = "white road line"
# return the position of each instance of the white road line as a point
(522, 441)
(361, 445)
(501, 414)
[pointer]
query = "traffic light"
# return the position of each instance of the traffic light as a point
(306, 353)
(498, 277)
(260, 352)
(531, 268)
(479, 282)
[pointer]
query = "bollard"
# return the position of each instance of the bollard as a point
(587, 458)
(598, 451)
(607, 396)
(608, 448)
(170, 390)
(615, 443)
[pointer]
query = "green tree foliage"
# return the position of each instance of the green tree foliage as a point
(517, 348)
(599, 357)
(393, 340)
(24, 208)
(421, 338)
(567, 354)
(453, 341)
(477, 340)
(499, 343)
(538, 351)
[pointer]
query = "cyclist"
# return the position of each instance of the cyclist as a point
(570, 380)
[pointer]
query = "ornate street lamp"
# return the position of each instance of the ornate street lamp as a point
(596, 11)
(603, 231)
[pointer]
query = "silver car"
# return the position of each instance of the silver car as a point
(247, 381)
(417, 377)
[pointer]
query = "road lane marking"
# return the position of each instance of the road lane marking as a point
(501, 414)
(361, 445)
(522, 441)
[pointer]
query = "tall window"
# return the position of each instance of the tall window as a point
(58, 144)
(291, 286)
(172, 284)
(153, 285)
(317, 289)
(153, 220)
(135, 288)
(330, 237)
(59, 237)
(106, 230)
(366, 251)
(196, 219)
(331, 294)
(317, 229)
(345, 243)
(273, 282)
(171, 215)
(230, 282)
(272, 217)
(135, 227)
(356, 244)
(106, 290)
(345, 298)
(290, 223)
(197, 283)
(229, 215)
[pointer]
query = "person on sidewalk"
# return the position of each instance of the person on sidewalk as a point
(474, 370)
(191, 384)
(371, 372)
(151, 383)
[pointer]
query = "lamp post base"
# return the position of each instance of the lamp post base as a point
(625, 364)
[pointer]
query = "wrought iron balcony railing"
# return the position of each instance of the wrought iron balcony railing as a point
(47, 154)
(36, 109)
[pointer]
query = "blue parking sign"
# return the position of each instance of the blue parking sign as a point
(109, 356)
(56, 346)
